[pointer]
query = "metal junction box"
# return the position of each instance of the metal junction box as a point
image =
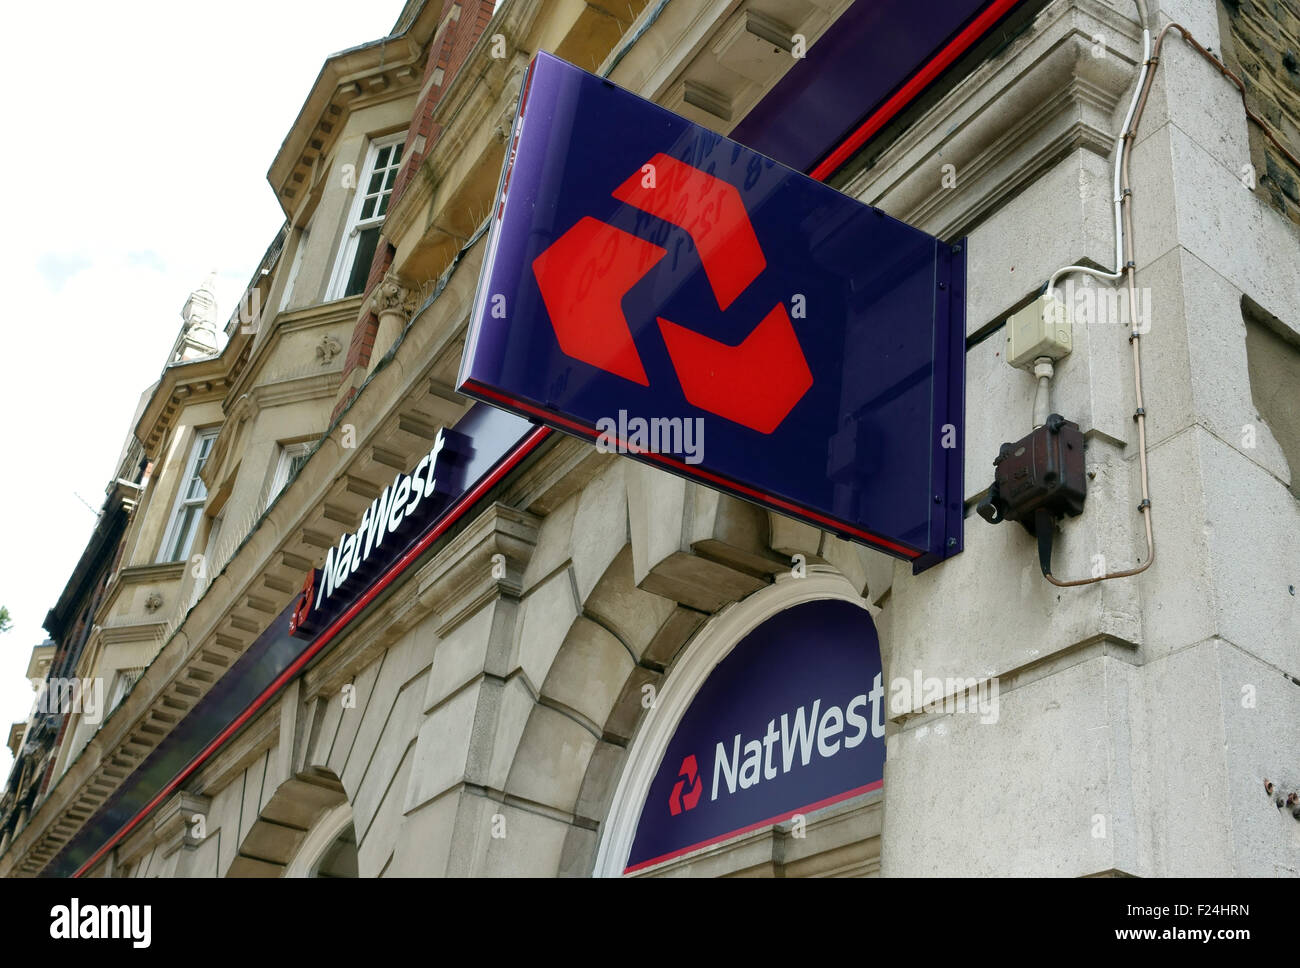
(1043, 470)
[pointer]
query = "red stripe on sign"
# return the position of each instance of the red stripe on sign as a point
(840, 527)
(829, 801)
(914, 86)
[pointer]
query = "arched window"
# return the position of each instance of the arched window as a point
(329, 849)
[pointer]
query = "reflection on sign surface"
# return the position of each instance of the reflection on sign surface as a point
(642, 268)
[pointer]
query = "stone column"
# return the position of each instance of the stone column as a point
(392, 303)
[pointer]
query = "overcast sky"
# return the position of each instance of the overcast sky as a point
(138, 138)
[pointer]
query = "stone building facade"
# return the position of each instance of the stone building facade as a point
(485, 713)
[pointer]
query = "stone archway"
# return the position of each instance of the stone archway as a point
(695, 663)
(329, 849)
(284, 823)
(651, 559)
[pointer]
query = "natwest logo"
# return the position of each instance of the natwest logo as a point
(584, 275)
(689, 780)
(640, 263)
(791, 740)
(400, 510)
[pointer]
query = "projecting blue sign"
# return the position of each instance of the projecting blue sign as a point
(670, 294)
(791, 720)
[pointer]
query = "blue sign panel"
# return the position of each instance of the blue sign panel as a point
(669, 294)
(399, 519)
(791, 720)
(869, 64)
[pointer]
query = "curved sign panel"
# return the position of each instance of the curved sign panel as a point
(790, 721)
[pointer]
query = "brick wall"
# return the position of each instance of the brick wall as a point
(1264, 51)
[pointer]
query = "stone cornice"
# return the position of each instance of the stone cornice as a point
(1048, 93)
(144, 574)
(294, 389)
(181, 384)
(372, 73)
(129, 632)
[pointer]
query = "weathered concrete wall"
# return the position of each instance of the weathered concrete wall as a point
(1138, 718)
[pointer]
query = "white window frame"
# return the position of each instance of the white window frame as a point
(123, 681)
(355, 224)
(181, 504)
(287, 295)
(288, 453)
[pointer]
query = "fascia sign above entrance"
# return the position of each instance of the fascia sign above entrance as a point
(768, 738)
(412, 513)
(670, 294)
(398, 519)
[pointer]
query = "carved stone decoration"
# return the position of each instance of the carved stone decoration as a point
(327, 349)
(390, 296)
(198, 335)
(153, 602)
(393, 304)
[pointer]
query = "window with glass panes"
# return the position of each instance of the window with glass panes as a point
(292, 457)
(374, 190)
(189, 502)
(122, 683)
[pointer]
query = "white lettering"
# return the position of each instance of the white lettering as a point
(749, 770)
(382, 505)
(800, 733)
(803, 735)
(102, 921)
(855, 719)
(727, 766)
(417, 485)
(832, 725)
(877, 708)
(401, 491)
(438, 445)
(363, 530)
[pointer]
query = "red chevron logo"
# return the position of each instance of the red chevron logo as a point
(584, 275)
(689, 773)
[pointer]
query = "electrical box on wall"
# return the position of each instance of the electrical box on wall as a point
(1042, 472)
(1041, 329)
